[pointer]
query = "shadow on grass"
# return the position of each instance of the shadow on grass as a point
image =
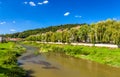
(13, 72)
(3, 70)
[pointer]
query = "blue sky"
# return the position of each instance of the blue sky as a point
(20, 15)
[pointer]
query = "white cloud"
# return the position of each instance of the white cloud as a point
(14, 22)
(78, 16)
(12, 30)
(67, 13)
(39, 3)
(25, 2)
(2, 22)
(32, 3)
(45, 2)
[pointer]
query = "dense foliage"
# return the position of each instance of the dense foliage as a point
(41, 30)
(8, 60)
(102, 32)
(99, 54)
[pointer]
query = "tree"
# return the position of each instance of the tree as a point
(101, 32)
(53, 37)
(92, 34)
(58, 36)
(74, 35)
(83, 33)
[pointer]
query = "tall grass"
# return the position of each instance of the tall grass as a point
(8, 60)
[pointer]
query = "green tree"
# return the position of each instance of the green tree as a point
(83, 33)
(74, 35)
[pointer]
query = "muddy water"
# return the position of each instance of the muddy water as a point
(60, 65)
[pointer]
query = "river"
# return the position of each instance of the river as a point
(59, 65)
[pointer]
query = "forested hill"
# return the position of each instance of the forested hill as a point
(41, 30)
(107, 31)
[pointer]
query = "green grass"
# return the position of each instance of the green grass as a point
(101, 55)
(8, 60)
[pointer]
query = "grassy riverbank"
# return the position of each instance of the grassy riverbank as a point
(101, 55)
(8, 60)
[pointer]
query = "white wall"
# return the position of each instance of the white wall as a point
(0, 39)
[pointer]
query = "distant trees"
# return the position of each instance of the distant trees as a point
(101, 32)
(41, 30)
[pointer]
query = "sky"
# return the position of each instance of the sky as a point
(21, 15)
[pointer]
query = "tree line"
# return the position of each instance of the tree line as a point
(27, 33)
(107, 31)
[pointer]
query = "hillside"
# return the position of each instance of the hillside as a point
(107, 31)
(41, 30)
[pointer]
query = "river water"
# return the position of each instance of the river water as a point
(59, 65)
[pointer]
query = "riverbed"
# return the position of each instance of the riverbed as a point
(53, 64)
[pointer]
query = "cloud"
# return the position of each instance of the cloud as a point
(32, 3)
(25, 2)
(77, 16)
(45, 2)
(39, 3)
(12, 30)
(2, 22)
(67, 13)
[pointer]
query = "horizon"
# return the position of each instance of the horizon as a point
(21, 15)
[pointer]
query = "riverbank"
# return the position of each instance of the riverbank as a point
(101, 55)
(85, 44)
(8, 60)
